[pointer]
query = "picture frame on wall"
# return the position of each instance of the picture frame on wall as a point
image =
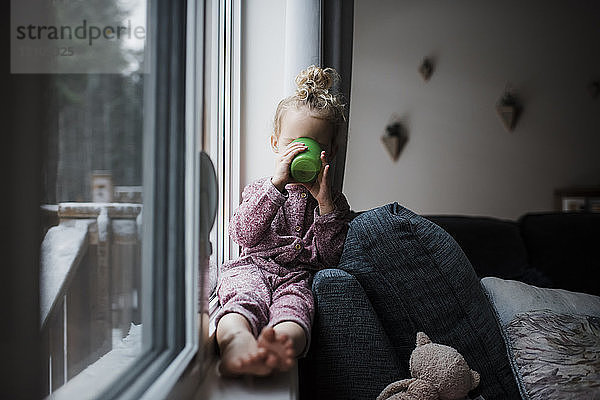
(595, 205)
(573, 204)
(577, 199)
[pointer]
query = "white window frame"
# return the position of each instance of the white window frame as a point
(194, 90)
(225, 151)
(193, 19)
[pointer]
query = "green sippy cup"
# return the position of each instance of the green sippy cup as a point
(306, 166)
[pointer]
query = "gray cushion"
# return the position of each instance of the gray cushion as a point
(417, 278)
(511, 297)
(350, 355)
(552, 338)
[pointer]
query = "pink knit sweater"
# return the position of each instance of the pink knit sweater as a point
(277, 230)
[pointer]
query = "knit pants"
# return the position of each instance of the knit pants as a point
(267, 298)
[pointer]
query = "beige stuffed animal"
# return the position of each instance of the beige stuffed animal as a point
(439, 372)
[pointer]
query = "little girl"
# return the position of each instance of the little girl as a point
(287, 231)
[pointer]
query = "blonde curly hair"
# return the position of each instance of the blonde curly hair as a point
(314, 94)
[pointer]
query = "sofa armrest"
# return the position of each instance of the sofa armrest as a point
(350, 354)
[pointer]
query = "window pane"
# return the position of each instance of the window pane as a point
(91, 271)
(213, 64)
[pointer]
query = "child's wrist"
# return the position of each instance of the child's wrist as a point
(325, 208)
(279, 185)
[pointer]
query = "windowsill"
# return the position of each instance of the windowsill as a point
(281, 386)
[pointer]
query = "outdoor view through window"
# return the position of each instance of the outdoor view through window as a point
(91, 236)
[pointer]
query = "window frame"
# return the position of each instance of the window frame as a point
(226, 99)
(171, 194)
(172, 185)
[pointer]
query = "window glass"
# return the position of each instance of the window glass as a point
(212, 142)
(221, 141)
(91, 237)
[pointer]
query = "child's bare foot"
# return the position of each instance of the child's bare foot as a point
(279, 349)
(241, 355)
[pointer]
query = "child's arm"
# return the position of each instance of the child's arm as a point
(262, 199)
(330, 232)
(260, 203)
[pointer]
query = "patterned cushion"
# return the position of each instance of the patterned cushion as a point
(552, 336)
(557, 355)
(512, 297)
(418, 279)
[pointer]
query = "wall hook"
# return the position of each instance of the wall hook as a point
(509, 108)
(395, 139)
(426, 68)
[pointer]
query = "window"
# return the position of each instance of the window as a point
(223, 119)
(115, 125)
(91, 263)
(121, 199)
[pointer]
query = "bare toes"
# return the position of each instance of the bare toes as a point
(268, 334)
(283, 339)
(272, 361)
(260, 353)
(237, 364)
(279, 348)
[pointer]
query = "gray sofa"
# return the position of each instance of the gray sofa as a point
(401, 273)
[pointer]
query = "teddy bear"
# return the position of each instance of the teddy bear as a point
(438, 372)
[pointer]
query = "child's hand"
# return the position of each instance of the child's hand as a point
(282, 177)
(319, 189)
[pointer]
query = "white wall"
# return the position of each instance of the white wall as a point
(279, 38)
(459, 158)
(262, 86)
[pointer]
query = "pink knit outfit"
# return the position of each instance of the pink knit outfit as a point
(284, 240)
